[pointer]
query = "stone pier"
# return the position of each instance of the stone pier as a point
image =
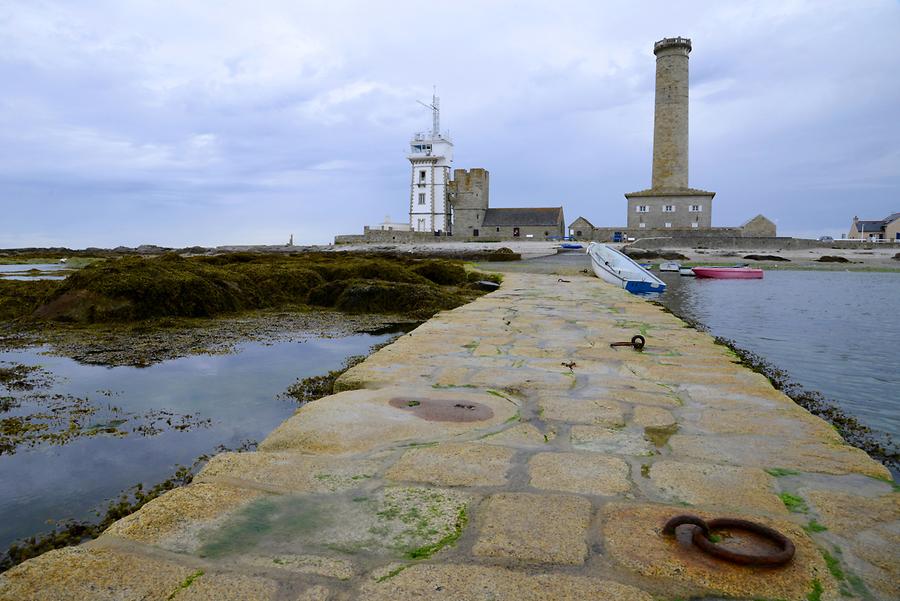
(503, 450)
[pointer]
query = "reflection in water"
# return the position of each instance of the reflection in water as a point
(236, 393)
(834, 332)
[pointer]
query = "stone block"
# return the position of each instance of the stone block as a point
(449, 582)
(632, 535)
(719, 486)
(582, 473)
(534, 528)
(453, 464)
(581, 411)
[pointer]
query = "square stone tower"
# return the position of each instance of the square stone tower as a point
(670, 203)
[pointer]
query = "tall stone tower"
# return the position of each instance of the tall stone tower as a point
(669, 203)
(468, 195)
(431, 157)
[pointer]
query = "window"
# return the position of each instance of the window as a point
(695, 224)
(475, 233)
(642, 224)
(642, 209)
(695, 209)
(422, 175)
(578, 233)
(498, 229)
(669, 209)
(668, 224)
(421, 198)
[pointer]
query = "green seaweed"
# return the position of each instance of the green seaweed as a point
(185, 583)
(793, 502)
(391, 574)
(814, 526)
(133, 288)
(833, 565)
(816, 593)
(780, 472)
(427, 551)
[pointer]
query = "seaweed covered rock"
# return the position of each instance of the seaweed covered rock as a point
(374, 296)
(835, 259)
(443, 273)
(136, 288)
(22, 297)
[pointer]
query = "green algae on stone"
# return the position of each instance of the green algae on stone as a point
(779, 472)
(814, 526)
(186, 583)
(793, 502)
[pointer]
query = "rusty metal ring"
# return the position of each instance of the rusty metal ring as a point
(700, 537)
(681, 520)
(638, 342)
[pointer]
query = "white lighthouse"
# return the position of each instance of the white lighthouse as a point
(431, 158)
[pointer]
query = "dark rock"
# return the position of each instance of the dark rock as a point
(765, 258)
(833, 259)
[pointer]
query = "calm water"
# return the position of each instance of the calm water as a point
(229, 399)
(837, 332)
(21, 271)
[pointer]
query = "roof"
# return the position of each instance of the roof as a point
(523, 217)
(760, 216)
(670, 192)
(582, 219)
(869, 226)
(875, 225)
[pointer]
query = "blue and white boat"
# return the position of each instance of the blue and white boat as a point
(620, 270)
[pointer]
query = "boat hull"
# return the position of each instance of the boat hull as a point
(620, 270)
(729, 273)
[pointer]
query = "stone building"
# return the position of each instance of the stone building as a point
(887, 229)
(539, 223)
(469, 199)
(670, 203)
(670, 207)
(444, 203)
(760, 227)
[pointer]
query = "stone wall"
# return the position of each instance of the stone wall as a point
(670, 123)
(747, 243)
(680, 216)
(469, 197)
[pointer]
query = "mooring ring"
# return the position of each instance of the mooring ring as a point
(638, 342)
(700, 537)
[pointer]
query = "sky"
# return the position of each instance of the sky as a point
(128, 122)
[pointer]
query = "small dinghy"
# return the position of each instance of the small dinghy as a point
(673, 266)
(687, 271)
(738, 272)
(620, 270)
(569, 246)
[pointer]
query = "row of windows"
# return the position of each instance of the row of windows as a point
(644, 225)
(669, 208)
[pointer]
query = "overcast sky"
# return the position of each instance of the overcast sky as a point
(181, 123)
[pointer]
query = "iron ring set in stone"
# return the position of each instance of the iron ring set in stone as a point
(700, 536)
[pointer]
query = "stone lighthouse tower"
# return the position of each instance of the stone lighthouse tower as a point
(670, 203)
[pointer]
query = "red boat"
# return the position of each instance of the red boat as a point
(729, 273)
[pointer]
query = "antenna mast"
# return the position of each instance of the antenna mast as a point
(436, 114)
(435, 107)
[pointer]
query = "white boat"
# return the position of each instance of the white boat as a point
(688, 271)
(620, 270)
(670, 266)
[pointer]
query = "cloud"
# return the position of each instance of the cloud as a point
(237, 122)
